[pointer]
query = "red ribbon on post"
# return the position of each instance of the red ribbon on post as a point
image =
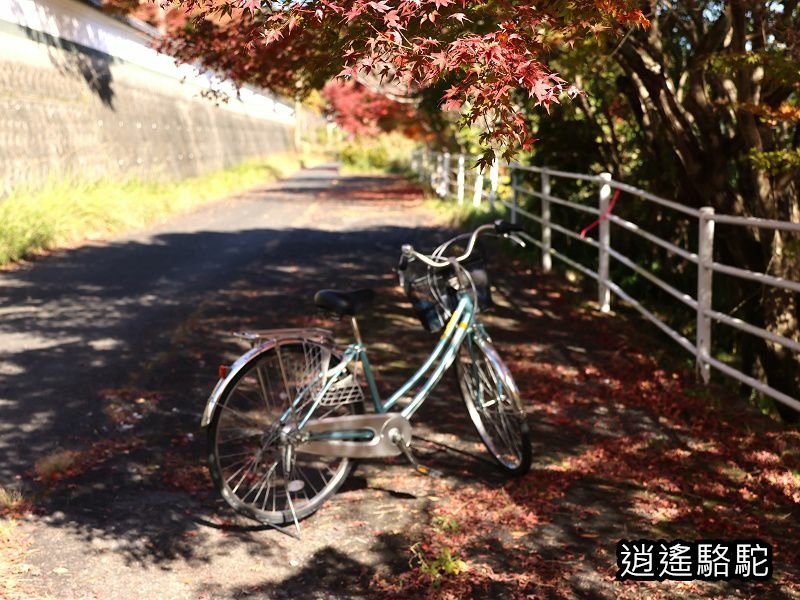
(602, 217)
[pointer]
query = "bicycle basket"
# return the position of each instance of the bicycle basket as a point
(434, 292)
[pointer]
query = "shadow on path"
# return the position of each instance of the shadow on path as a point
(625, 446)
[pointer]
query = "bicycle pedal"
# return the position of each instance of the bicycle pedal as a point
(430, 472)
(418, 466)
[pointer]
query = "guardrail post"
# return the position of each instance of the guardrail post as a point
(705, 256)
(494, 178)
(444, 185)
(460, 179)
(604, 240)
(476, 198)
(547, 259)
(514, 193)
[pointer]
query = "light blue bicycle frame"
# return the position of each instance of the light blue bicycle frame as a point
(442, 357)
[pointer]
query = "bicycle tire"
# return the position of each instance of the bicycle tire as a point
(252, 463)
(493, 404)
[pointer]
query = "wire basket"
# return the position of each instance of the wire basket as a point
(434, 292)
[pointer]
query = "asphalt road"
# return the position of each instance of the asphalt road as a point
(150, 312)
(79, 321)
(147, 316)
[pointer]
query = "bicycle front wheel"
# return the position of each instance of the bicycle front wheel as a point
(253, 458)
(493, 403)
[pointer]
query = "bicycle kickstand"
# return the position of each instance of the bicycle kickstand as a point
(398, 440)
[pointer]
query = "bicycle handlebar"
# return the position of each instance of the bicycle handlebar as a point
(500, 227)
(505, 228)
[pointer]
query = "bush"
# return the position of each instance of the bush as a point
(387, 153)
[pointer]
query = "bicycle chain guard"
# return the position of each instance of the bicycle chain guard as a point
(355, 436)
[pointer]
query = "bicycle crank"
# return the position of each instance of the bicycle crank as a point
(405, 448)
(355, 436)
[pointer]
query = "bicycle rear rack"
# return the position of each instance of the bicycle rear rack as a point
(259, 336)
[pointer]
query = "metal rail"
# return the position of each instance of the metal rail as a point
(436, 168)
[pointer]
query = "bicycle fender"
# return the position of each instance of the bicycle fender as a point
(269, 338)
(235, 368)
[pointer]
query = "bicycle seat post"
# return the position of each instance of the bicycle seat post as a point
(356, 331)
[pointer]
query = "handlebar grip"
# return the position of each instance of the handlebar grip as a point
(504, 227)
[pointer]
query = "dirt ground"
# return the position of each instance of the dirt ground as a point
(626, 445)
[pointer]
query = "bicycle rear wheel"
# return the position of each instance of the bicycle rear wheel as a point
(253, 460)
(493, 403)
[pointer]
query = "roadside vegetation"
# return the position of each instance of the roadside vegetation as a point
(368, 155)
(64, 213)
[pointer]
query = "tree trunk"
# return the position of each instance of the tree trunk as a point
(706, 125)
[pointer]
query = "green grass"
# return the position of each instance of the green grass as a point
(383, 154)
(11, 500)
(437, 566)
(64, 213)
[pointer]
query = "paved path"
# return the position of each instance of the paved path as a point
(88, 332)
(81, 321)
(109, 352)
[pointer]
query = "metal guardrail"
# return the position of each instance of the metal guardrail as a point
(449, 176)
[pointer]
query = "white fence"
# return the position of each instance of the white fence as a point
(452, 176)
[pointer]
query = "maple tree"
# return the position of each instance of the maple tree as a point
(702, 106)
(488, 54)
(360, 111)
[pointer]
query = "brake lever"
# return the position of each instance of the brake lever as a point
(516, 239)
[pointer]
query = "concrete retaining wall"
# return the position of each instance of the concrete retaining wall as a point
(69, 108)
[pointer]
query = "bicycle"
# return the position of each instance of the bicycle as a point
(288, 418)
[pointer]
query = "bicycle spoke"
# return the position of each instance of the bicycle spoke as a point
(492, 406)
(258, 485)
(501, 426)
(289, 395)
(234, 413)
(308, 481)
(249, 465)
(224, 456)
(256, 424)
(263, 378)
(270, 473)
(242, 462)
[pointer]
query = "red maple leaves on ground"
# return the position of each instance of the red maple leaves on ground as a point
(625, 446)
